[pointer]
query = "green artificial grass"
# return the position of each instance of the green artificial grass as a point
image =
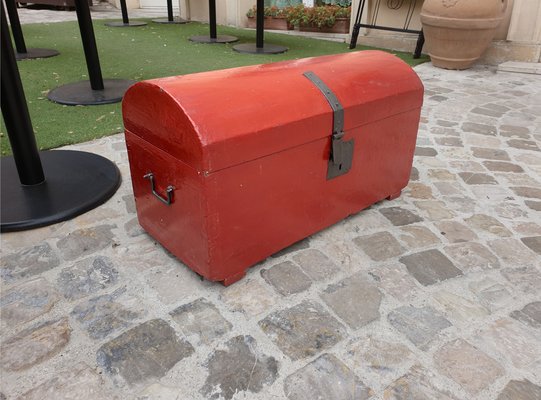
(156, 50)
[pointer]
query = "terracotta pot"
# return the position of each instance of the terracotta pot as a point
(275, 23)
(340, 26)
(457, 32)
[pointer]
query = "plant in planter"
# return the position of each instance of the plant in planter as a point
(297, 15)
(275, 18)
(332, 19)
(457, 32)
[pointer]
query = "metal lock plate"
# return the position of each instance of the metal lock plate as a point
(341, 155)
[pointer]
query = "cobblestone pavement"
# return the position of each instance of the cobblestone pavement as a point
(434, 295)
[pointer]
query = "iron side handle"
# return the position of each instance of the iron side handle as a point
(169, 191)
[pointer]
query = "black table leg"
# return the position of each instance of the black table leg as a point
(419, 46)
(170, 19)
(260, 47)
(213, 38)
(42, 188)
(125, 20)
(97, 91)
(23, 53)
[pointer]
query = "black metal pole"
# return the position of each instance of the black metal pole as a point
(124, 10)
(260, 21)
(89, 44)
(212, 19)
(419, 46)
(357, 25)
(16, 115)
(170, 10)
(16, 29)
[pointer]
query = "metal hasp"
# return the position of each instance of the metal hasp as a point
(341, 156)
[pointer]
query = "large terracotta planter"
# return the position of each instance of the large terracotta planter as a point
(276, 23)
(340, 26)
(457, 32)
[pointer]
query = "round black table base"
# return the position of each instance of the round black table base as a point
(251, 48)
(76, 182)
(175, 20)
(36, 53)
(120, 24)
(81, 94)
(218, 39)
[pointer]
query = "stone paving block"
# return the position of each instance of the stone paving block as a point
(35, 345)
(534, 205)
(132, 228)
(173, 281)
(441, 175)
(303, 330)
(367, 220)
(354, 300)
(316, 265)
(449, 188)
(528, 192)
(520, 132)
(468, 366)
(129, 202)
(467, 166)
(77, 383)
(202, 319)
(500, 166)
(460, 309)
(487, 223)
(400, 216)
(395, 280)
(490, 154)
(85, 241)
(527, 228)
(241, 367)
(472, 256)
(286, 278)
(27, 301)
(419, 325)
(300, 245)
(510, 211)
(250, 297)
(146, 351)
(414, 176)
(474, 178)
(86, 277)
(425, 152)
(482, 129)
(520, 390)
(325, 378)
(417, 384)
(512, 251)
(157, 391)
(530, 314)
(102, 315)
(28, 262)
(419, 191)
(508, 337)
(418, 236)
(455, 232)
(492, 295)
(430, 267)
(534, 243)
(523, 144)
(379, 246)
(436, 210)
(383, 357)
(488, 112)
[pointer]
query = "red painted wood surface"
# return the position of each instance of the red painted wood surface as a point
(247, 149)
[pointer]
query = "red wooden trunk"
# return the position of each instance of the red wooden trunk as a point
(247, 152)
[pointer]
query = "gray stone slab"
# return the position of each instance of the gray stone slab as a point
(520, 390)
(482, 129)
(523, 144)
(85, 241)
(430, 267)
(419, 325)
(28, 262)
(35, 345)
(530, 314)
(416, 384)
(325, 378)
(490, 154)
(286, 278)
(300, 245)
(316, 264)
(515, 131)
(146, 351)
(487, 223)
(86, 277)
(132, 228)
(102, 315)
(400, 216)
(385, 358)
(501, 166)
(425, 152)
(528, 192)
(27, 301)
(354, 300)
(201, 319)
(418, 236)
(534, 243)
(379, 246)
(240, 368)
(474, 178)
(472, 256)
(468, 366)
(303, 330)
(455, 232)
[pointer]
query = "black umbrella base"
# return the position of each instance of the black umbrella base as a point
(176, 20)
(217, 39)
(76, 182)
(36, 53)
(251, 48)
(121, 24)
(81, 94)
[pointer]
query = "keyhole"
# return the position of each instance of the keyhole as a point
(340, 167)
